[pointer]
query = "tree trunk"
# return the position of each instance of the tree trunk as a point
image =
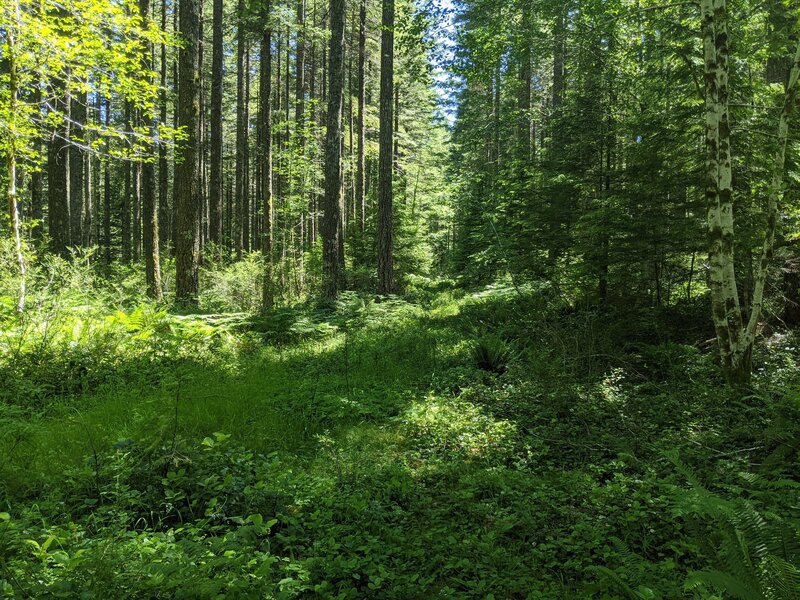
(77, 116)
(187, 242)
(265, 160)
(37, 210)
(300, 78)
(246, 207)
(525, 83)
(11, 52)
(163, 165)
(386, 154)
(136, 214)
(125, 217)
(361, 166)
(58, 178)
(775, 193)
(735, 339)
(148, 185)
(175, 117)
(215, 199)
(202, 135)
(241, 133)
(107, 187)
(88, 209)
(332, 218)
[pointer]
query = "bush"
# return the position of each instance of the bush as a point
(80, 330)
(233, 287)
(170, 520)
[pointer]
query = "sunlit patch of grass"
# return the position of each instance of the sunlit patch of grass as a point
(395, 464)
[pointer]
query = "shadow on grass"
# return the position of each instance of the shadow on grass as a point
(415, 474)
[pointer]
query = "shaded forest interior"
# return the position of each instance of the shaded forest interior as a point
(400, 299)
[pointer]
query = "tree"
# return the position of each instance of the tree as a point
(735, 333)
(107, 185)
(163, 164)
(11, 151)
(58, 203)
(241, 192)
(386, 158)
(265, 158)
(215, 187)
(187, 241)
(152, 255)
(332, 208)
(361, 162)
(77, 117)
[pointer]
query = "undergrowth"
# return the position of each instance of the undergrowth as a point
(499, 444)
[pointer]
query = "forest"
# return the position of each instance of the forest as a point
(400, 299)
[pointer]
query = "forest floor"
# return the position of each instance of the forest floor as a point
(453, 445)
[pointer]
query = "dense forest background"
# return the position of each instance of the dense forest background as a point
(399, 299)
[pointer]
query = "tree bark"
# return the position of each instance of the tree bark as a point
(163, 165)
(11, 52)
(215, 187)
(125, 208)
(58, 178)
(265, 160)
(361, 166)
(107, 187)
(136, 213)
(386, 153)
(88, 209)
(77, 114)
(37, 209)
(202, 135)
(241, 133)
(559, 79)
(246, 204)
(151, 248)
(300, 77)
(176, 81)
(187, 242)
(734, 337)
(332, 218)
(525, 83)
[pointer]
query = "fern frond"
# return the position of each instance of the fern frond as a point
(781, 579)
(723, 582)
(612, 577)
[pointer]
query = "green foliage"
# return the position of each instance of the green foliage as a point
(755, 555)
(369, 456)
(574, 148)
(148, 521)
(491, 353)
(75, 336)
(233, 287)
(74, 46)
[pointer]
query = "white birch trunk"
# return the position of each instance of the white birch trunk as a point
(735, 339)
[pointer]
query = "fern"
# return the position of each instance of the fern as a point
(757, 554)
(723, 582)
(611, 578)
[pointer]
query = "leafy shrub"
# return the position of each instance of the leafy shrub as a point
(87, 324)
(73, 349)
(158, 486)
(170, 520)
(233, 287)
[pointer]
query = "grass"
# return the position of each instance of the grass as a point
(276, 399)
(399, 465)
